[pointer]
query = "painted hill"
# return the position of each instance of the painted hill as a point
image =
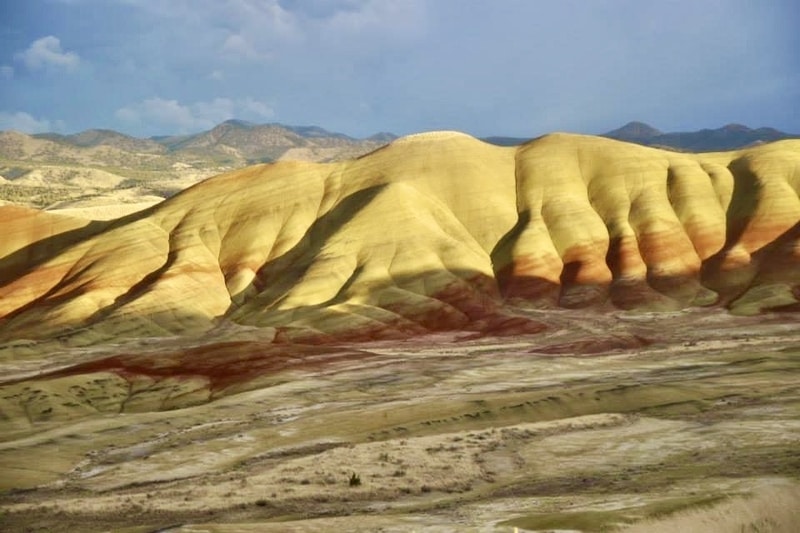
(434, 231)
(635, 132)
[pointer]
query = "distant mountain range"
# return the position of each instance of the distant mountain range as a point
(236, 143)
(52, 170)
(728, 137)
(232, 143)
(98, 166)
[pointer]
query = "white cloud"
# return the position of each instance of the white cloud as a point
(321, 9)
(26, 123)
(254, 107)
(238, 47)
(268, 15)
(342, 20)
(160, 112)
(243, 31)
(185, 118)
(6, 72)
(396, 17)
(263, 29)
(46, 52)
(214, 111)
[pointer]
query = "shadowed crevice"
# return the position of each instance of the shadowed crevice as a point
(273, 280)
(502, 254)
(28, 258)
(744, 201)
(37, 253)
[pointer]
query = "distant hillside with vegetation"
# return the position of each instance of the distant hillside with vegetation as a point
(98, 166)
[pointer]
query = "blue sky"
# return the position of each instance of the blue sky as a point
(486, 67)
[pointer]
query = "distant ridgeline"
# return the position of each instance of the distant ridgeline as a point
(730, 137)
(234, 142)
(97, 168)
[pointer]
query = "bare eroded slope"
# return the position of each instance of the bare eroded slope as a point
(435, 231)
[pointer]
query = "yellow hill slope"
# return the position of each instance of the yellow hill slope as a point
(433, 231)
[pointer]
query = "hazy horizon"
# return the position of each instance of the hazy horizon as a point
(499, 135)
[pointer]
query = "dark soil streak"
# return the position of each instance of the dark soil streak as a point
(223, 364)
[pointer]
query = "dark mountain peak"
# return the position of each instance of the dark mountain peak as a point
(96, 137)
(238, 123)
(92, 137)
(100, 132)
(101, 137)
(499, 140)
(729, 137)
(634, 131)
(770, 131)
(382, 136)
(312, 132)
(228, 126)
(735, 128)
(49, 136)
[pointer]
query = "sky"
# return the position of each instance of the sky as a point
(485, 67)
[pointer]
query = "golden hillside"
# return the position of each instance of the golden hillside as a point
(434, 231)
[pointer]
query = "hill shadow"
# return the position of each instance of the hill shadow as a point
(274, 279)
(28, 258)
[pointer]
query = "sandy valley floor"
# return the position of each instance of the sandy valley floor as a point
(601, 421)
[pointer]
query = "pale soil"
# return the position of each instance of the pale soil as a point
(98, 211)
(94, 192)
(775, 508)
(444, 434)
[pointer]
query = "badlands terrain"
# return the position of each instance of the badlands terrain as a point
(105, 174)
(574, 334)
